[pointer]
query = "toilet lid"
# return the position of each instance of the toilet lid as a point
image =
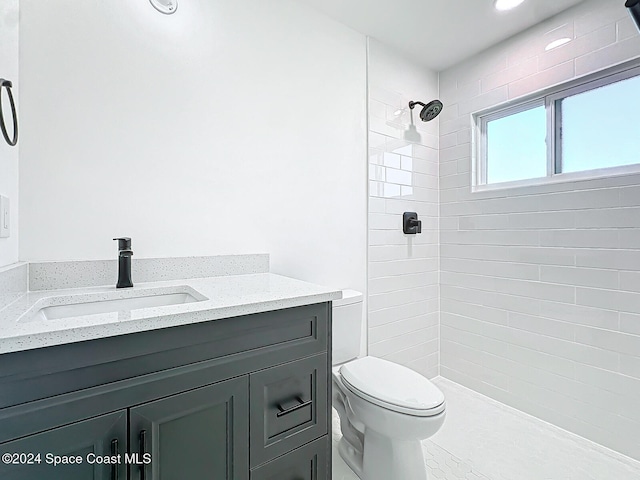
(394, 386)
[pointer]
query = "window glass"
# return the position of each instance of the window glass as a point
(516, 146)
(600, 128)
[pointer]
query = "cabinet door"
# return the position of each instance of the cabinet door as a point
(99, 437)
(200, 434)
(305, 463)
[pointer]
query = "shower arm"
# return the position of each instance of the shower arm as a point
(413, 104)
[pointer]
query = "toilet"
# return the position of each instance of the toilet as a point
(385, 409)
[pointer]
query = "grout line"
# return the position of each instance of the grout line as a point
(365, 305)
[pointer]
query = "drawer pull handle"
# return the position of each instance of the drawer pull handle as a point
(287, 411)
(143, 450)
(114, 452)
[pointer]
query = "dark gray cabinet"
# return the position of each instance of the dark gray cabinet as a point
(234, 399)
(199, 434)
(288, 407)
(305, 463)
(75, 448)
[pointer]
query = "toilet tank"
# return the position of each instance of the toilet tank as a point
(346, 327)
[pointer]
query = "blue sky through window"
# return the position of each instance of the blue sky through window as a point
(516, 146)
(601, 127)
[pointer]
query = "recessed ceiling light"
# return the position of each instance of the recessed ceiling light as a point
(503, 5)
(557, 43)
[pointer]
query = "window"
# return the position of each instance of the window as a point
(583, 130)
(516, 148)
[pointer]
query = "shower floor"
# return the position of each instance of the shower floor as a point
(485, 440)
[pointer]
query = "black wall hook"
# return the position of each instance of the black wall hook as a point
(11, 141)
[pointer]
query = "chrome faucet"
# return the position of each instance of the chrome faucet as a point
(124, 262)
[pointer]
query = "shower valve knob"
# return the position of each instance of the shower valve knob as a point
(410, 223)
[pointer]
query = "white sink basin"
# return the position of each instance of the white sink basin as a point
(54, 308)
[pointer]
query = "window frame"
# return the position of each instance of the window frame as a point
(550, 98)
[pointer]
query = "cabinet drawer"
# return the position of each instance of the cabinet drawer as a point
(288, 407)
(306, 463)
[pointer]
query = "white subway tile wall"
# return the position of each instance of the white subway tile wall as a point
(403, 172)
(539, 286)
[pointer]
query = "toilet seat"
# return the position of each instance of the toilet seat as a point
(392, 386)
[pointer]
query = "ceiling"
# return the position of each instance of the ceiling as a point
(438, 33)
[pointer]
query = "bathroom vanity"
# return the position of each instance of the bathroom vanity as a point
(214, 396)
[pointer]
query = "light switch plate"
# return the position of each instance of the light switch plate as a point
(5, 217)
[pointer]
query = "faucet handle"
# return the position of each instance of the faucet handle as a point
(124, 243)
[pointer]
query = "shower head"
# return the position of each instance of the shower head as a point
(429, 111)
(634, 10)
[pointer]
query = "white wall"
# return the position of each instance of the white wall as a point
(9, 10)
(540, 303)
(228, 127)
(403, 269)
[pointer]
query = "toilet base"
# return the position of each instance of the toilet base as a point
(386, 458)
(351, 456)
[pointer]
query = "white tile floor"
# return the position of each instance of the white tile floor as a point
(485, 440)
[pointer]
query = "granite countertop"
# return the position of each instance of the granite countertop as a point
(219, 297)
